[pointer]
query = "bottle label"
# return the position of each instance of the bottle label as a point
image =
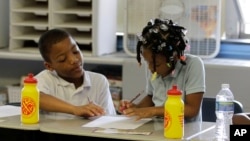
(28, 107)
(224, 106)
(167, 120)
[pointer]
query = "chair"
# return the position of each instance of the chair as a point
(208, 109)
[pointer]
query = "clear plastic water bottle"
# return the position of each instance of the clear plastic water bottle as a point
(224, 112)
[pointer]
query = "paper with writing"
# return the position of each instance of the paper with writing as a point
(122, 131)
(9, 110)
(116, 122)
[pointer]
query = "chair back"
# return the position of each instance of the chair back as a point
(208, 109)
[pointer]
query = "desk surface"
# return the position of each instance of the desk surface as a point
(74, 127)
(14, 122)
(205, 136)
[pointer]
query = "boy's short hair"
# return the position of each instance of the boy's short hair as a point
(48, 39)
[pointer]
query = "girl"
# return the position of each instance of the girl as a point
(162, 44)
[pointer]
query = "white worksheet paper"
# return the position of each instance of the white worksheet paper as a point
(117, 122)
(9, 110)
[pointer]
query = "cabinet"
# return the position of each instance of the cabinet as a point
(92, 23)
(4, 30)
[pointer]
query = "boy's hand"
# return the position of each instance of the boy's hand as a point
(88, 110)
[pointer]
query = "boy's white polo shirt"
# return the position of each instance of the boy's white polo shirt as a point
(95, 88)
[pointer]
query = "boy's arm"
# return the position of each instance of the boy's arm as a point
(53, 104)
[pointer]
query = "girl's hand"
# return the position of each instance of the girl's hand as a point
(125, 104)
(140, 112)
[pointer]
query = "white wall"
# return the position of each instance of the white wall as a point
(133, 79)
(234, 72)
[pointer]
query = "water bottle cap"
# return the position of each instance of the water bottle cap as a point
(174, 91)
(225, 86)
(30, 79)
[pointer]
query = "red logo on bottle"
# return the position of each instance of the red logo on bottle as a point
(181, 119)
(28, 107)
(167, 120)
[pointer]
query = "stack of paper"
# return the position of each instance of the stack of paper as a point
(116, 122)
(9, 110)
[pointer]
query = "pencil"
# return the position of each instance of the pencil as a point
(132, 100)
(89, 100)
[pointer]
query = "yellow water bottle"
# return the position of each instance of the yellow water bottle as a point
(174, 114)
(30, 101)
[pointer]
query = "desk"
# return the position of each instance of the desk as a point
(73, 128)
(206, 136)
(13, 122)
(12, 129)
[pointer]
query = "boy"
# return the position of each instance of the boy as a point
(66, 89)
(162, 44)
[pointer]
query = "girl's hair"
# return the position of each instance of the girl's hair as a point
(48, 39)
(163, 37)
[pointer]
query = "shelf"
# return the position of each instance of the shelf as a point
(83, 19)
(41, 9)
(111, 59)
(29, 19)
(29, 6)
(78, 11)
(6, 54)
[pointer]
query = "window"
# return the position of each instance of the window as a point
(244, 18)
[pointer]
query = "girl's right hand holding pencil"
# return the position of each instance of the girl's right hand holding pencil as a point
(132, 110)
(125, 104)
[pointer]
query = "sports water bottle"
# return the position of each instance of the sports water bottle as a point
(30, 101)
(224, 110)
(174, 114)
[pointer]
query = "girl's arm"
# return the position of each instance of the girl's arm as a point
(193, 104)
(241, 118)
(145, 102)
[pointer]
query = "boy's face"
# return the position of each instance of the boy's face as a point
(160, 62)
(66, 59)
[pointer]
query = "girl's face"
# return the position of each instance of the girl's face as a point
(66, 59)
(160, 62)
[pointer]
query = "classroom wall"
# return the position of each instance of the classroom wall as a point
(235, 73)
